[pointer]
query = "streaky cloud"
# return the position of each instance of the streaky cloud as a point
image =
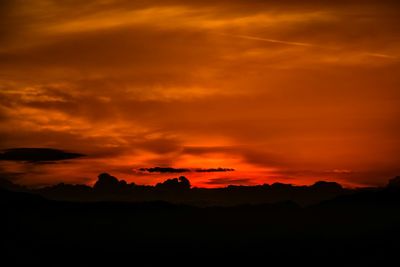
(268, 40)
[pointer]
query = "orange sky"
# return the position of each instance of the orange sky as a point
(288, 91)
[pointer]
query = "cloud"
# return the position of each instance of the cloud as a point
(228, 181)
(215, 170)
(37, 155)
(164, 170)
(269, 40)
(180, 170)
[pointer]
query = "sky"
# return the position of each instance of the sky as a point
(229, 92)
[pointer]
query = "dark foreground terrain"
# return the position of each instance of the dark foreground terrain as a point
(359, 229)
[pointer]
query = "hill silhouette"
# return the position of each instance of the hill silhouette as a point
(96, 227)
(179, 191)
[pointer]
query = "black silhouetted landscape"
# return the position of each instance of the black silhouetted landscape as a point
(179, 191)
(116, 223)
(199, 133)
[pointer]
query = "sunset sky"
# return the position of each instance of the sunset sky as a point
(280, 91)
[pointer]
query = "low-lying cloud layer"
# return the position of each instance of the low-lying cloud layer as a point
(228, 181)
(180, 170)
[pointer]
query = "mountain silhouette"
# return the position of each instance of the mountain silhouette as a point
(357, 228)
(179, 191)
(394, 183)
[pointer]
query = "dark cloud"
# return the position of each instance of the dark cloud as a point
(180, 170)
(164, 170)
(215, 170)
(202, 150)
(37, 155)
(228, 181)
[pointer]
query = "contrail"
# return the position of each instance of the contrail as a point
(371, 54)
(268, 40)
(381, 55)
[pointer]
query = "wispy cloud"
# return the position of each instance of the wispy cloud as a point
(268, 40)
(380, 55)
(328, 49)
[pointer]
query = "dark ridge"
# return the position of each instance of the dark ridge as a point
(334, 233)
(179, 191)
